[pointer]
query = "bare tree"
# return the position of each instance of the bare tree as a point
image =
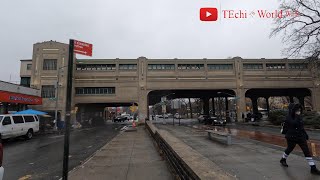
(300, 27)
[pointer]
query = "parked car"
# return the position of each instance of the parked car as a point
(1, 158)
(177, 116)
(209, 120)
(120, 119)
(202, 117)
(126, 116)
(18, 125)
(161, 116)
(218, 121)
(254, 117)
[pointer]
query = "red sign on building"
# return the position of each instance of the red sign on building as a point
(82, 48)
(19, 98)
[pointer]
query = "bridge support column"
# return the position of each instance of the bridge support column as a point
(190, 106)
(255, 105)
(291, 99)
(301, 100)
(206, 106)
(241, 104)
(213, 107)
(143, 106)
(268, 106)
(227, 109)
(315, 94)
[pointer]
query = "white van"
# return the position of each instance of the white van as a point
(12, 125)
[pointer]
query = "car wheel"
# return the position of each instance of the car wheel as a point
(29, 134)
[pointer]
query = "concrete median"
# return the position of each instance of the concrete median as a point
(186, 161)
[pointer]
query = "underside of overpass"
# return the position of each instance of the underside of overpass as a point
(154, 97)
(97, 111)
(254, 94)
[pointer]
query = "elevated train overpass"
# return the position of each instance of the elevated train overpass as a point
(112, 82)
(199, 78)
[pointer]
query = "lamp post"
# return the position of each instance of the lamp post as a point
(57, 96)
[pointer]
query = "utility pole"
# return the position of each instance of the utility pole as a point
(57, 96)
(56, 108)
(68, 111)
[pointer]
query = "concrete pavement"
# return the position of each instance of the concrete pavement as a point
(130, 155)
(244, 159)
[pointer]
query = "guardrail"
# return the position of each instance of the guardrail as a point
(185, 162)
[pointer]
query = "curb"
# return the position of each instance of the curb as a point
(274, 126)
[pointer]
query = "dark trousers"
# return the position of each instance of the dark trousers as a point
(302, 143)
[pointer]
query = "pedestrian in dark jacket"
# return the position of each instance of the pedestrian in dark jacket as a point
(296, 134)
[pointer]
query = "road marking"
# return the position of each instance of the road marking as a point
(25, 177)
(56, 136)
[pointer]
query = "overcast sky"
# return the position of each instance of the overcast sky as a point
(134, 28)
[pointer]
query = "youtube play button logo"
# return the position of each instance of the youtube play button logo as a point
(208, 14)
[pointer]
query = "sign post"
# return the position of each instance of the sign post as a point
(84, 49)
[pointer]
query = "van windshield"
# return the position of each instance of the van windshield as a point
(1, 117)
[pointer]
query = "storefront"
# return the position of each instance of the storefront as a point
(15, 98)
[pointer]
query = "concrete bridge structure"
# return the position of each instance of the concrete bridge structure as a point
(98, 83)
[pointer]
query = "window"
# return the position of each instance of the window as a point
(298, 66)
(29, 66)
(275, 66)
(252, 66)
(95, 90)
(28, 119)
(25, 81)
(220, 66)
(17, 119)
(127, 66)
(1, 117)
(161, 66)
(191, 66)
(50, 64)
(95, 67)
(48, 91)
(6, 120)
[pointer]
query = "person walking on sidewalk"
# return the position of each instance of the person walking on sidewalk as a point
(295, 134)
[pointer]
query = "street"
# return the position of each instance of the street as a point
(42, 156)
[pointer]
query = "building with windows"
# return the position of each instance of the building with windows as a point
(99, 83)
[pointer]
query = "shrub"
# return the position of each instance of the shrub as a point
(277, 117)
(312, 119)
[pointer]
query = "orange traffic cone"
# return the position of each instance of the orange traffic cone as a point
(133, 124)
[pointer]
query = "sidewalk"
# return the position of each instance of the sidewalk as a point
(129, 156)
(244, 159)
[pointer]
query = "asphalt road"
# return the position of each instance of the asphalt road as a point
(42, 156)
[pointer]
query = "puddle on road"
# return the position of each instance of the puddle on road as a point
(279, 140)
